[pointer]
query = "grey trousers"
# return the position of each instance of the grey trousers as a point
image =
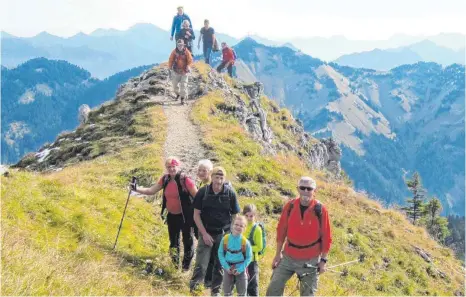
(229, 282)
(285, 270)
(203, 254)
(180, 84)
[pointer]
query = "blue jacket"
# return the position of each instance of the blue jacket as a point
(234, 244)
(177, 21)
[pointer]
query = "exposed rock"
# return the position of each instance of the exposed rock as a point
(83, 113)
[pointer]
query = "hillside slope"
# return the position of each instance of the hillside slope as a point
(59, 225)
(41, 98)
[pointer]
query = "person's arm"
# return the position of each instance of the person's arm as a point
(171, 60)
(200, 38)
(326, 233)
(234, 206)
(149, 191)
(191, 187)
(281, 234)
(173, 27)
(189, 60)
(221, 256)
(193, 35)
(213, 39)
(258, 245)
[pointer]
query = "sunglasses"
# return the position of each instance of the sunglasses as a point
(303, 188)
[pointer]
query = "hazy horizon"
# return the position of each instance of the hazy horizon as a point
(355, 20)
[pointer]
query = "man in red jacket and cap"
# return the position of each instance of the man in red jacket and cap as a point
(304, 226)
(228, 59)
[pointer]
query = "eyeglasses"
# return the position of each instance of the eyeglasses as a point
(303, 188)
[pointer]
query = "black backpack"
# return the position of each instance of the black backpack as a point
(185, 197)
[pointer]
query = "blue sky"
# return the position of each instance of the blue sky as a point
(355, 19)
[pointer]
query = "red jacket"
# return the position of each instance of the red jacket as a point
(302, 232)
(228, 55)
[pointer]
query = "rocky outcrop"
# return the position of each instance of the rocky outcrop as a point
(83, 113)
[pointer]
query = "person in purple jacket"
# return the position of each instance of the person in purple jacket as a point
(178, 21)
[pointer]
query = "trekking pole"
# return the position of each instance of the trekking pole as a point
(133, 181)
(359, 260)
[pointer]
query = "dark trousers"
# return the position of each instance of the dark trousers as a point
(175, 227)
(229, 68)
(253, 283)
(207, 50)
(203, 254)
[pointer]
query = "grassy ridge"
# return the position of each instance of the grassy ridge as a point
(58, 229)
(359, 224)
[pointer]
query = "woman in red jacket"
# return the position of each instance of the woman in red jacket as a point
(228, 59)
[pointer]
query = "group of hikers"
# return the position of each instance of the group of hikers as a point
(181, 58)
(230, 244)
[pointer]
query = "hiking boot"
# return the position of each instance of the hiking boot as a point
(182, 101)
(177, 97)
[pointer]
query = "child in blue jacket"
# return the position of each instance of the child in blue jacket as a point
(235, 254)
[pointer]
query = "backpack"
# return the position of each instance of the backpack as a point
(175, 61)
(242, 250)
(264, 237)
(182, 190)
(318, 213)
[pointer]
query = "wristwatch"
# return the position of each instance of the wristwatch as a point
(323, 260)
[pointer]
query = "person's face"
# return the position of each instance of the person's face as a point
(218, 180)
(202, 173)
(180, 11)
(171, 169)
(306, 192)
(206, 25)
(224, 45)
(250, 216)
(238, 226)
(180, 46)
(185, 25)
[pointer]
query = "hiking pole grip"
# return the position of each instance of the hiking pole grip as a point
(133, 181)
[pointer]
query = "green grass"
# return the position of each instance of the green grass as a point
(359, 225)
(58, 229)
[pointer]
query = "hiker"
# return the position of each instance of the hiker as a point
(178, 20)
(180, 62)
(304, 224)
(204, 171)
(215, 207)
(208, 40)
(177, 192)
(254, 233)
(187, 34)
(235, 254)
(228, 59)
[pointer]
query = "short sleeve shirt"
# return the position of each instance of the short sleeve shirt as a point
(172, 195)
(208, 35)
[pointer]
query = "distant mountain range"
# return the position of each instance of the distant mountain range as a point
(107, 51)
(387, 59)
(40, 99)
(389, 123)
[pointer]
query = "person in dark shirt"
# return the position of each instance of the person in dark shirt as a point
(178, 21)
(208, 39)
(215, 207)
(187, 34)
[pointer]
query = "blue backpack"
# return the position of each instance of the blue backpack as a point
(264, 237)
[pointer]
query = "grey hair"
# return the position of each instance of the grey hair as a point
(186, 22)
(206, 163)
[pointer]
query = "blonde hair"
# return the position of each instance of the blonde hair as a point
(206, 163)
(171, 160)
(241, 217)
(249, 208)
